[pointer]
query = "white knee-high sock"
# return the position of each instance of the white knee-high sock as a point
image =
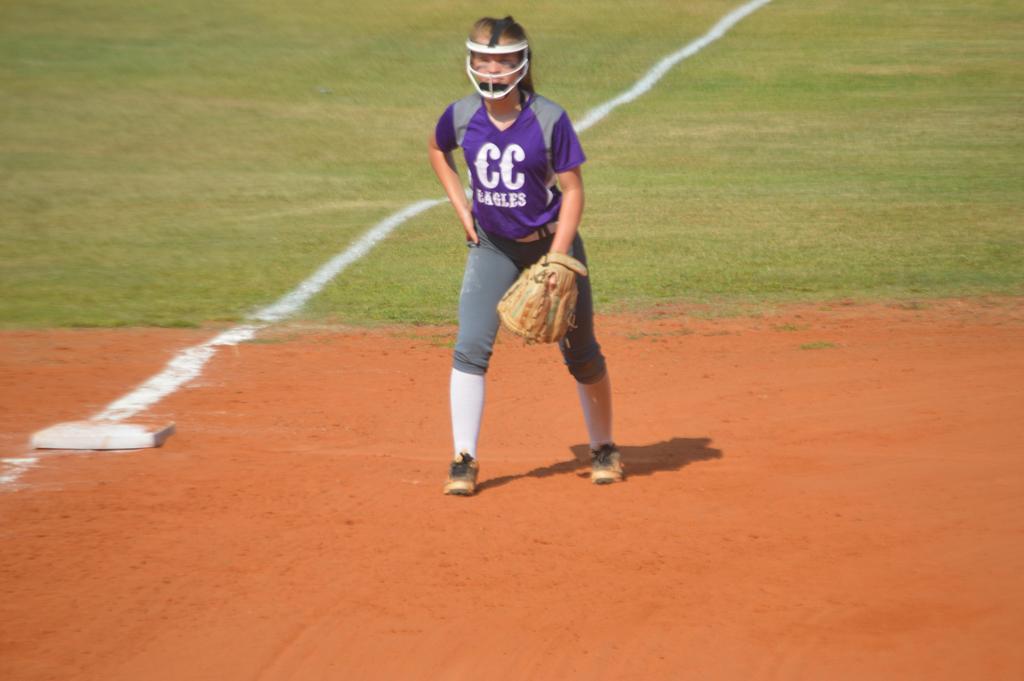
(596, 400)
(467, 404)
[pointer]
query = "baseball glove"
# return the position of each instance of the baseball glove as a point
(539, 311)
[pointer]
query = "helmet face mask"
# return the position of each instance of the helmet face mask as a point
(485, 82)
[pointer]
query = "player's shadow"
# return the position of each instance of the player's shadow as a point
(670, 455)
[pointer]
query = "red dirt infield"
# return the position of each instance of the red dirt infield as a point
(815, 493)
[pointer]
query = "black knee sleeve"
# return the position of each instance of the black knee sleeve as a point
(589, 371)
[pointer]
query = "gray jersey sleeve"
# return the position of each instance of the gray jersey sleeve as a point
(463, 111)
(547, 113)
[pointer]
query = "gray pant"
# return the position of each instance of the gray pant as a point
(491, 267)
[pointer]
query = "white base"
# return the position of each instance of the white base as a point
(102, 435)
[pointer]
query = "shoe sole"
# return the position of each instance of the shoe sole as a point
(459, 490)
(605, 478)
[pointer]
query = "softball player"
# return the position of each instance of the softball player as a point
(524, 161)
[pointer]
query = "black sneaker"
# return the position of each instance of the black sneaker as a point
(462, 475)
(605, 465)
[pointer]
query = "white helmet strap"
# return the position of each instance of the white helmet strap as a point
(497, 49)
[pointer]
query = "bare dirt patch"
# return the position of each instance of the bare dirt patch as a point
(816, 493)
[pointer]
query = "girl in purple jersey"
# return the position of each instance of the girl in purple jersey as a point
(524, 162)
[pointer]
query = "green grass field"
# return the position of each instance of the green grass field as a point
(186, 164)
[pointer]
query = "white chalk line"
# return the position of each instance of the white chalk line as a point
(658, 71)
(188, 364)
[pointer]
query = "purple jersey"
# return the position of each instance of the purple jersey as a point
(512, 171)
